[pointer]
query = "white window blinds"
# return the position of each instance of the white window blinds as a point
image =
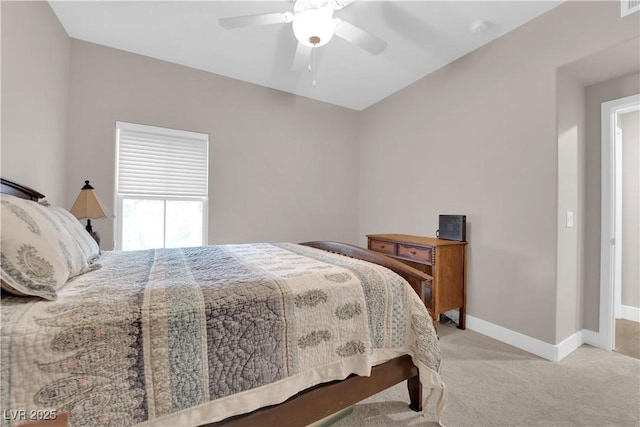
(154, 161)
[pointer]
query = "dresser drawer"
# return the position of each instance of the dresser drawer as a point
(420, 254)
(382, 247)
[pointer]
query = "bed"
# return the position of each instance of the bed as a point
(252, 334)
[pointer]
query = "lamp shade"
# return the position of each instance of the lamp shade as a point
(87, 204)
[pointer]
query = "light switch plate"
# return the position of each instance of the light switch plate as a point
(569, 219)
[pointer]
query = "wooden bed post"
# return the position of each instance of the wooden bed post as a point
(415, 393)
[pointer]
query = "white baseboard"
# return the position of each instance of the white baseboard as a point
(569, 345)
(453, 315)
(543, 349)
(591, 338)
(630, 313)
(515, 339)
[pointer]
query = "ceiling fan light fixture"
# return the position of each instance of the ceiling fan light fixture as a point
(314, 27)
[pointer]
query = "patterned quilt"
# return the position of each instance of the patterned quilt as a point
(195, 335)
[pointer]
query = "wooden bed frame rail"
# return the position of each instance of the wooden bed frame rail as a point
(325, 399)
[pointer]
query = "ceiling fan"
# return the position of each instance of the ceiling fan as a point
(314, 26)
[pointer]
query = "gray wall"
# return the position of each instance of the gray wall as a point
(630, 125)
(571, 116)
(582, 86)
(596, 94)
(479, 137)
(282, 167)
(35, 85)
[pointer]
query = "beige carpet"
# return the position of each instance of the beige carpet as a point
(493, 384)
(628, 338)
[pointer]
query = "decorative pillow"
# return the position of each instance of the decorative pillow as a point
(86, 242)
(37, 254)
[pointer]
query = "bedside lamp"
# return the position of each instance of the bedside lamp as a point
(88, 206)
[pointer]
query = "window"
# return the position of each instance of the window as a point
(161, 187)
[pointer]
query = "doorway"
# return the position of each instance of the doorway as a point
(611, 217)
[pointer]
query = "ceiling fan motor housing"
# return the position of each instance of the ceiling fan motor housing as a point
(314, 27)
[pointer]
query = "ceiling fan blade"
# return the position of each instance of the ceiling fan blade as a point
(359, 37)
(301, 59)
(249, 20)
(339, 4)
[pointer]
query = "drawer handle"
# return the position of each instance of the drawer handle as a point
(382, 246)
(413, 252)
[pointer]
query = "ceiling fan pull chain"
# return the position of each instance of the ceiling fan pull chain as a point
(313, 67)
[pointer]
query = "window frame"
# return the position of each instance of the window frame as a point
(119, 198)
(119, 204)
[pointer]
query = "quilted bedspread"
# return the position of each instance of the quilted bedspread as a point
(194, 335)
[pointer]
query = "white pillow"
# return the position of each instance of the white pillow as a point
(82, 237)
(38, 254)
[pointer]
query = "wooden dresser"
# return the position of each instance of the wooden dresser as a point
(445, 260)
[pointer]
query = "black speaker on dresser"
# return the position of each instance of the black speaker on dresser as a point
(452, 227)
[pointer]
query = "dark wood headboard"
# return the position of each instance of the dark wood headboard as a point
(18, 190)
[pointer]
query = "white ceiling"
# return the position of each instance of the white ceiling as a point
(422, 37)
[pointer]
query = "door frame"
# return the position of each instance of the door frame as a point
(611, 212)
